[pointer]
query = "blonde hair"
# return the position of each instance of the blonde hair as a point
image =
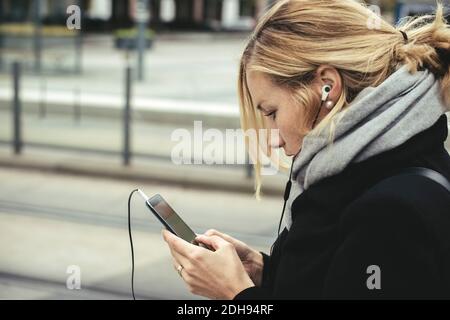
(295, 37)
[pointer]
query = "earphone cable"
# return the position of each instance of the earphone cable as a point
(287, 191)
(131, 242)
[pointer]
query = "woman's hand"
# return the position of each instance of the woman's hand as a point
(251, 259)
(217, 274)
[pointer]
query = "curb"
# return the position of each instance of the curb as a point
(153, 171)
(168, 111)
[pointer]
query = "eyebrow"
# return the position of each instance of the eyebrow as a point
(260, 108)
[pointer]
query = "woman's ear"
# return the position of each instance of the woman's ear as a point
(327, 75)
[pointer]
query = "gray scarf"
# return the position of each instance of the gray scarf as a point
(378, 120)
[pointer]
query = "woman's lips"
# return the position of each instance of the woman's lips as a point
(277, 146)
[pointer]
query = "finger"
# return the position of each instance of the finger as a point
(175, 264)
(177, 244)
(179, 259)
(214, 241)
(224, 236)
(187, 261)
(210, 232)
(213, 232)
(167, 235)
(182, 273)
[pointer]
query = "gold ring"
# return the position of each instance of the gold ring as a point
(180, 269)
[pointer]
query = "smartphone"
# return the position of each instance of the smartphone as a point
(169, 218)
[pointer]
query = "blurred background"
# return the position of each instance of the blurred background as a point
(89, 98)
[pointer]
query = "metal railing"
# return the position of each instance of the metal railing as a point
(126, 153)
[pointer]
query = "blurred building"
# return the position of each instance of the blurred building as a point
(405, 8)
(112, 14)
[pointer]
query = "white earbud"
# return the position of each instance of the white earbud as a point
(325, 92)
(326, 89)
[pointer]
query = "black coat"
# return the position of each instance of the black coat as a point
(368, 216)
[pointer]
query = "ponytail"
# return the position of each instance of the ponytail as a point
(428, 47)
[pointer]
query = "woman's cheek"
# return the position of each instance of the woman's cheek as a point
(295, 143)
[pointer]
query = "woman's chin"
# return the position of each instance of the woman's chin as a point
(288, 153)
(291, 153)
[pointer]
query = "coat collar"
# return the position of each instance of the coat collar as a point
(332, 194)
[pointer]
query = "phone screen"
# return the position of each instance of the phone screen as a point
(171, 219)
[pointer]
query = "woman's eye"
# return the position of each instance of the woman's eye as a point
(272, 115)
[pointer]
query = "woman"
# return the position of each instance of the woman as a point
(355, 107)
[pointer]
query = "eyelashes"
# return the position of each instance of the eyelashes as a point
(271, 115)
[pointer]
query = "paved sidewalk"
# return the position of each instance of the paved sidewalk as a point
(51, 221)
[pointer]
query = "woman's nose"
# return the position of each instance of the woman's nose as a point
(273, 125)
(274, 138)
